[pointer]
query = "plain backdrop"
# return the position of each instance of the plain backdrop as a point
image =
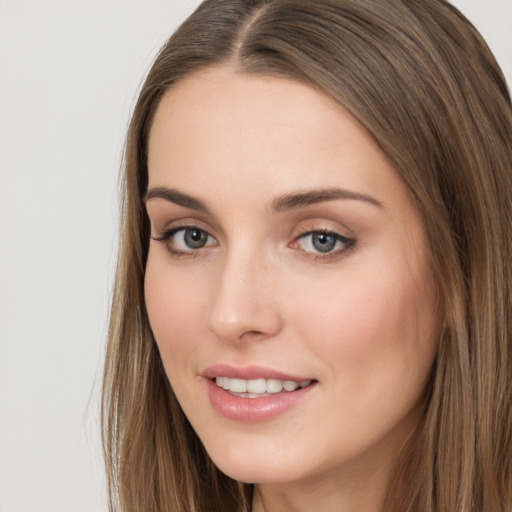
(69, 73)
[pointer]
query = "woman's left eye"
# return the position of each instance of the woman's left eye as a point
(324, 242)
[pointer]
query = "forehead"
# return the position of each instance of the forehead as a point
(219, 127)
(215, 103)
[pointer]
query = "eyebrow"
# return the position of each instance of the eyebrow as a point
(280, 204)
(311, 197)
(176, 197)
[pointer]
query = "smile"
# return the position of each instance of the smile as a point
(256, 399)
(258, 388)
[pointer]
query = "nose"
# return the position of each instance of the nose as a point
(244, 305)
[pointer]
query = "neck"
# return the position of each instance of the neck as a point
(299, 500)
(353, 489)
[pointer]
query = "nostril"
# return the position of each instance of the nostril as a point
(251, 334)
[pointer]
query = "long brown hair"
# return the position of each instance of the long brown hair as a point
(419, 77)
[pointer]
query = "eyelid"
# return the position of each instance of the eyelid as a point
(348, 244)
(165, 225)
(309, 228)
(166, 234)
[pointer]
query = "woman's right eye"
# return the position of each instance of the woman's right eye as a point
(185, 240)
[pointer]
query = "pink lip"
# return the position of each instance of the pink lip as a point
(252, 410)
(249, 372)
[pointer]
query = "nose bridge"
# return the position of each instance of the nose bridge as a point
(244, 303)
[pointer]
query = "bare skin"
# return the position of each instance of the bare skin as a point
(286, 240)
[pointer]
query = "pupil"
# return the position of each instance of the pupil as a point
(195, 238)
(324, 242)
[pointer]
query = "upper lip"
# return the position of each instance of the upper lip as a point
(249, 372)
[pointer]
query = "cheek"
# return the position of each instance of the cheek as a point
(174, 302)
(372, 327)
(377, 341)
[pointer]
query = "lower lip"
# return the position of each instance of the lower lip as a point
(254, 410)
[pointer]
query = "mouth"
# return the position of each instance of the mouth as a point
(255, 394)
(260, 387)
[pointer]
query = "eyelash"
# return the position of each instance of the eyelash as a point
(166, 236)
(347, 243)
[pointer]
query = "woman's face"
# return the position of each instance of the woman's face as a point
(285, 251)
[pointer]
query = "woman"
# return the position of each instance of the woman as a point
(312, 303)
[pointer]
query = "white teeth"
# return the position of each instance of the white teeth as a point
(254, 388)
(274, 385)
(290, 385)
(238, 385)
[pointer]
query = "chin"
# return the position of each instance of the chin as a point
(256, 464)
(250, 473)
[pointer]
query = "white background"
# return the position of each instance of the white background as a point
(69, 72)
